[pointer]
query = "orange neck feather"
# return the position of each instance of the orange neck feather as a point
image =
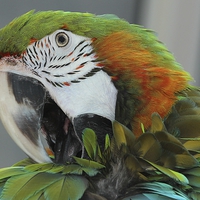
(147, 68)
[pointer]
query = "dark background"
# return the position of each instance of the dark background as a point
(177, 24)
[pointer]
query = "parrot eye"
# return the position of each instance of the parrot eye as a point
(62, 39)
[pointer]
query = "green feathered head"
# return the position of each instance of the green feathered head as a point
(120, 70)
(19, 33)
(129, 53)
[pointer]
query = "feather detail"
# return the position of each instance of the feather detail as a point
(149, 76)
(142, 69)
(127, 168)
(153, 93)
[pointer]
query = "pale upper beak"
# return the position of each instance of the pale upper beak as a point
(21, 106)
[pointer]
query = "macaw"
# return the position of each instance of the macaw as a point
(64, 73)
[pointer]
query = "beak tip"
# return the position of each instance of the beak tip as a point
(21, 103)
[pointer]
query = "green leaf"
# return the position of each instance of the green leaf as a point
(57, 169)
(27, 185)
(1, 186)
(70, 187)
(132, 164)
(24, 162)
(193, 176)
(194, 180)
(43, 186)
(123, 135)
(77, 169)
(90, 142)
(191, 139)
(194, 171)
(39, 167)
(38, 196)
(107, 142)
(142, 127)
(90, 171)
(10, 171)
(88, 163)
(14, 184)
(72, 169)
(118, 133)
(178, 177)
(156, 123)
(98, 152)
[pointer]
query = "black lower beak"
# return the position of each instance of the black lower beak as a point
(70, 144)
(67, 146)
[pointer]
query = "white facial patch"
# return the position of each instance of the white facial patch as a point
(67, 66)
(60, 64)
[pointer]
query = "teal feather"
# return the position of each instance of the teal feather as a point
(122, 173)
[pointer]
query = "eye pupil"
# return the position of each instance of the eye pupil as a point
(62, 39)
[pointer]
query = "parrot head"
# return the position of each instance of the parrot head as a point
(61, 72)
